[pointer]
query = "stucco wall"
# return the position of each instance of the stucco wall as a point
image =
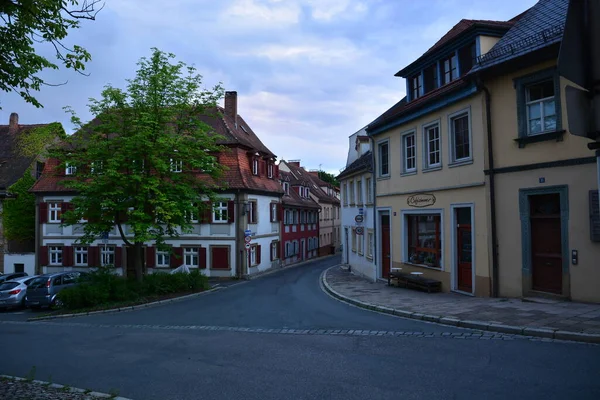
(28, 260)
(486, 43)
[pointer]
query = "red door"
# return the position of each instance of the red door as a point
(546, 243)
(386, 259)
(465, 259)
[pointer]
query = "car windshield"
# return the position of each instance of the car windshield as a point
(8, 285)
(38, 283)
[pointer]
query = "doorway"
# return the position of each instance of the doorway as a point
(464, 249)
(385, 254)
(346, 250)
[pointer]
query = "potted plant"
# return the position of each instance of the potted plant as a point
(430, 260)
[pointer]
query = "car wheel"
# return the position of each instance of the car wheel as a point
(57, 303)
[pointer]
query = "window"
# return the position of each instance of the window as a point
(192, 215)
(255, 166)
(252, 212)
(370, 243)
(296, 247)
(409, 152)
(162, 258)
(274, 216)
(220, 212)
(253, 257)
(432, 146)
(359, 198)
(369, 191)
(286, 187)
(176, 165)
(54, 212)
(417, 86)
(431, 78)
(540, 108)
(55, 253)
(270, 170)
(423, 239)
(81, 256)
(384, 166)
(274, 250)
(460, 137)
(352, 201)
(70, 169)
(307, 192)
(354, 239)
(107, 255)
(39, 169)
(96, 167)
(450, 69)
(190, 257)
(359, 244)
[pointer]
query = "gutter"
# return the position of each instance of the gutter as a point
(492, 172)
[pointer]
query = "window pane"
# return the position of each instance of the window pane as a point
(534, 110)
(461, 137)
(535, 126)
(549, 108)
(424, 239)
(540, 90)
(550, 123)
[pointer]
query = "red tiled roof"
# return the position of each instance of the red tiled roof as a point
(315, 183)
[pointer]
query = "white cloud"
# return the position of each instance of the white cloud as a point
(261, 14)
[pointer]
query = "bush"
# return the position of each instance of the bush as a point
(104, 287)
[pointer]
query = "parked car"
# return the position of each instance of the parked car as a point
(12, 276)
(42, 290)
(13, 292)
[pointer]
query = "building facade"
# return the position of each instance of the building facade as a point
(357, 200)
(216, 244)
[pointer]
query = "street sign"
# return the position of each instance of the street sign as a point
(247, 246)
(248, 239)
(360, 230)
(247, 232)
(361, 211)
(359, 218)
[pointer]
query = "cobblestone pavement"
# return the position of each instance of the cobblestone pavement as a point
(12, 388)
(563, 316)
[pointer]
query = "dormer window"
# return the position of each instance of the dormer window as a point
(307, 192)
(449, 69)
(431, 78)
(286, 187)
(255, 166)
(176, 165)
(417, 86)
(70, 169)
(270, 170)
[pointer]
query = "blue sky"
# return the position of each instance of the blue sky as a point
(308, 73)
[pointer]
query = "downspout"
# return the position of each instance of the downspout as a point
(238, 220)
(374, 191)
(494, 228)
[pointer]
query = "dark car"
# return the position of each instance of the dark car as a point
(11, 276)
(42, 290)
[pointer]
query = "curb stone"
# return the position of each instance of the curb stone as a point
(64, 387)
(480, 325)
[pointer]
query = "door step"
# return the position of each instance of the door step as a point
(541, 300)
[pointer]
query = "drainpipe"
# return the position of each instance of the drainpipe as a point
(374, 190)
(238, 243)
(490, 148)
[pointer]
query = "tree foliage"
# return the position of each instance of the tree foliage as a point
(127, 159)
(19, 211)
(36, 141)
(329, 178)
(26, 23)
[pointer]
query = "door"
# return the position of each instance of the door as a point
(546, 243)
(465, 257)
(386, 257)
(346, 249)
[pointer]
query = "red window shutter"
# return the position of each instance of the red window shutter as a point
(271, 251)
(271, 214)
(176, 257)
(43, 256)
(43, 213)
(219, 257)
(150, 257)
(64, 207)
(202, 257)
(67, 256)
(93, 256)
(276, 167)
(255, 211)
(279, 244)
(230, 211)
(258, 248)
(280, 211)
(206, 213)
(118, 256)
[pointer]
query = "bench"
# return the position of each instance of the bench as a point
(415, 282)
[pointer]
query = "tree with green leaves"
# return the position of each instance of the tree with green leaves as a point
(26, 23)
(147, 159)
(329, 178)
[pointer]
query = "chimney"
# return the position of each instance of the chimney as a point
(13, 123)
(314, 173)
(294, 163)
(231, 106)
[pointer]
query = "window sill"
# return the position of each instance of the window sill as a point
(555, 135)
(408, 173)
(383, 177)
(423, 266)
(354, 251)
(432, 169)
(460, 163)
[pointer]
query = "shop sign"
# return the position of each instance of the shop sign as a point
(421, 200)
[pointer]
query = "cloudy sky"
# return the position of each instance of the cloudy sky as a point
(308, 73)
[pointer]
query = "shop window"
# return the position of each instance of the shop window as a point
(424, 239)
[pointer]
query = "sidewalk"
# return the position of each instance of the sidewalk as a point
(560, 320)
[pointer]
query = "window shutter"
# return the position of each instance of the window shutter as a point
(150, 257)
(271, 251)
(202, 257)
(258, 253)
(43, 256)
(276, 171)
(271, 213)
(93, 256)
(230, 211)
(43, 213)
(594, 216)
(176, 257)
(118, 256)
(206, 213)
(67, 256)
(279, 211)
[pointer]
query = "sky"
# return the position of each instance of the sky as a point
(309, 73)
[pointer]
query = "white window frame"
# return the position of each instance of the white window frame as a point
(345, 194)
(380, 172)
(191, 257)
(55, 255)
(194, 214)
(541, 103)
(359, 195)
(274, 212)
(370, 243)
(81, 256)
(252, 216)
(254, 166)
(426, 146)
(353, 240)
(270, 170)
(163, 259)
(220, 212)
(352, 194)
(368, 184)
(404, 247)
(274, 246)
(107, 252)
(404, 138)
(286, 187)
(54, 212)
(451, 118)
(70, 169)
(360, 241)
(253, 258)
(176, 166)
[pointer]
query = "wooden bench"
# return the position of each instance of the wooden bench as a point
(415, 282)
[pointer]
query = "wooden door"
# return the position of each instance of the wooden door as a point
(546, 243)
(385, 255)
(465, 259)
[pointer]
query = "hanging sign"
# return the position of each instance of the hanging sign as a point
(421, 200)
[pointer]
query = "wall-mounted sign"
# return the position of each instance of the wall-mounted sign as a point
(248, 239)
(421, 200)
(361, 211)
(359, 218)
(247, 245)
(360, 230)
(247, 232)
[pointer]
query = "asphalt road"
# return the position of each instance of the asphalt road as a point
(198, 349)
